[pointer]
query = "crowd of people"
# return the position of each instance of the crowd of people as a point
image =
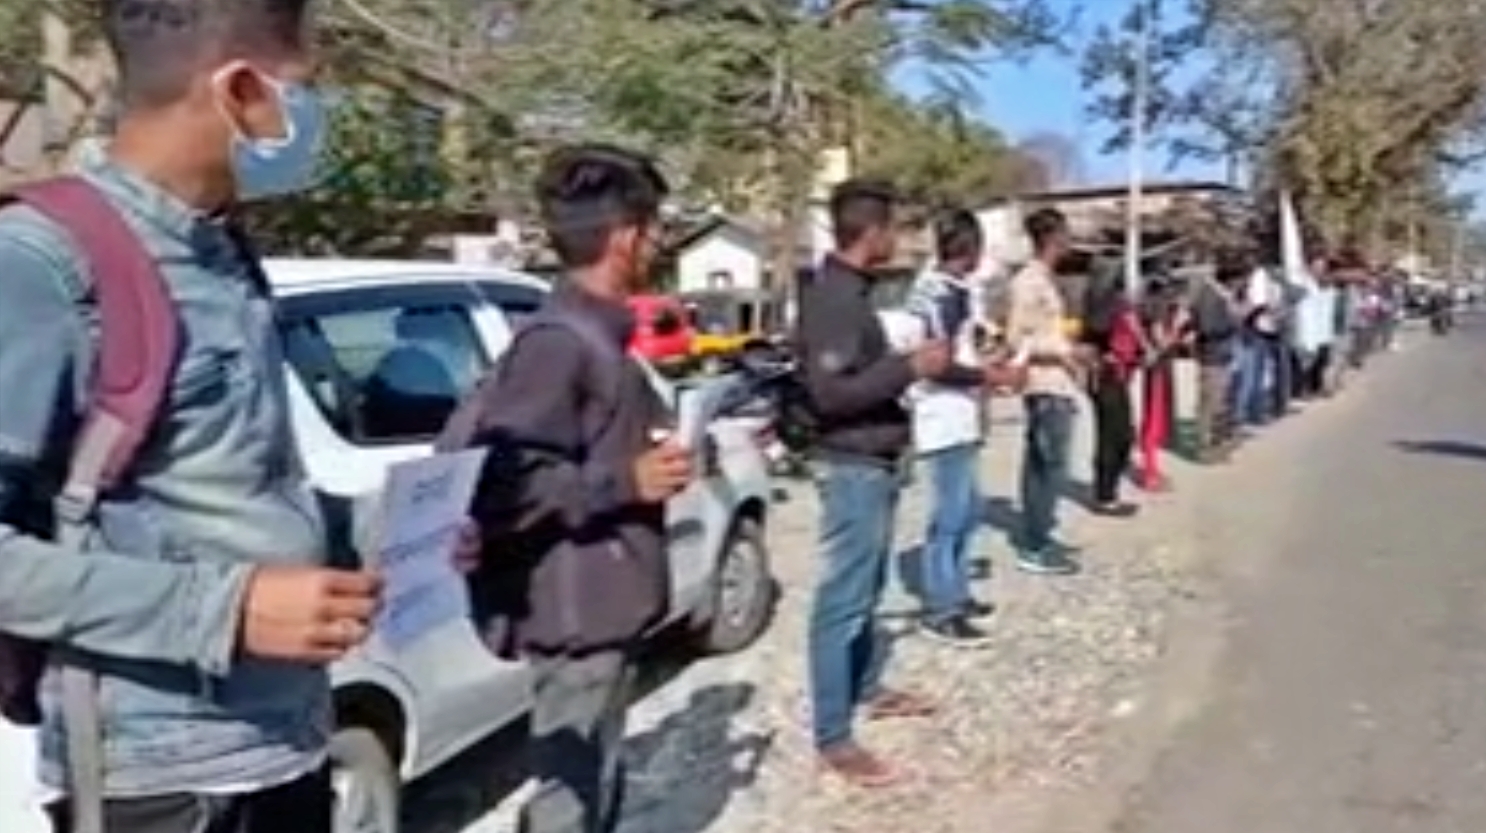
(1064, 335)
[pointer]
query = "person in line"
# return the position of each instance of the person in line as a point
(1216, 324)
(949, 422)
(1316, 330)
(1035, 327)
(1349, 274)
(572, 499)
(1164, 318)
(1119, 344)
(1259, 372)
(201, 612)
(856, 386)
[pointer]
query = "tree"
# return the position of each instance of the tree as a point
(51, 55)
(1345, 103)
(939, 156)
(739, 98)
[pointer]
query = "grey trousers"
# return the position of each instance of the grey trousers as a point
(1214, 415)
(577, 732)
(303, 806)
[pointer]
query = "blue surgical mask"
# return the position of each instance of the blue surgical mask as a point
(288, 164)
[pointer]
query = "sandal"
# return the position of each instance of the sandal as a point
(900, 705)
(859, 767)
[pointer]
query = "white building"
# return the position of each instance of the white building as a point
(722, 255)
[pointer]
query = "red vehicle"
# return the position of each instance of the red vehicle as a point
(663, 330)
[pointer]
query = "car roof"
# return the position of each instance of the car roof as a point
(290, 276)
(647, 302)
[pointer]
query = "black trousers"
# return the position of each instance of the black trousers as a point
(303, 806)
(1318, 373)
(1114, 433)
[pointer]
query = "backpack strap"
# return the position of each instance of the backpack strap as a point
(137, 345)
(607, 365)
(134, 361)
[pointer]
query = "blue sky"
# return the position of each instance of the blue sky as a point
(1045, 95)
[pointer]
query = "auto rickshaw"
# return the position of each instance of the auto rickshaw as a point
(725, 321)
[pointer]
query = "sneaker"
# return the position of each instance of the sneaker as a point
(1116, 509)
(1053, 560)
(977, 609)
(957, 631)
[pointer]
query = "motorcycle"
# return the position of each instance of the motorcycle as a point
(762, 395)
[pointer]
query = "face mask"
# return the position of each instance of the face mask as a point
(287, 164)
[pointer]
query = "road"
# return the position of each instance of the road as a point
(1347, 693)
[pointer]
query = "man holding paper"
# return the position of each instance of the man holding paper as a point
(582, 459)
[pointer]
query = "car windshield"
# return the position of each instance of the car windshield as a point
(386, 366)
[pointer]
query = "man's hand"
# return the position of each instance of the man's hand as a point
(663, 471)
(1085, 354)
(931, 359)
(468, 547)
(1005, 377)
(308, 614)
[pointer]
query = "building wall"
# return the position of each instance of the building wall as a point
(723, 252)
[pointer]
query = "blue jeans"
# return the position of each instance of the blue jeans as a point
(1248, 379)
(848, 650)
(954, 516)
(1044, 467)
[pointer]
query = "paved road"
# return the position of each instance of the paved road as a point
(1350, 694)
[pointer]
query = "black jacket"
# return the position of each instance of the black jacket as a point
(1216, 325)
(574, 562)
(854, 380)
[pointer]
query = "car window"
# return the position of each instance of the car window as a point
(385, 367)
(518, 302)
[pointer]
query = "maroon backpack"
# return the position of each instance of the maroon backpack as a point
(134, 360)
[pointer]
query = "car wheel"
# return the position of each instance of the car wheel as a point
(367, 786)
(744, 592)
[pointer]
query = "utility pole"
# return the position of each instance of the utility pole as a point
(1457, 245)
(1139, 107)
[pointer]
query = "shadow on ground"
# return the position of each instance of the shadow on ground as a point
(998, 513)
(1443, 448)
(681, 774)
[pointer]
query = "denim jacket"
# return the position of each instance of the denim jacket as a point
(153, 604)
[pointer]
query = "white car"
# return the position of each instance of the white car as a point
(403, 714)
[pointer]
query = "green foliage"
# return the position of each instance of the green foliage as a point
(737, 97)
(384, 186)
(1345, 104)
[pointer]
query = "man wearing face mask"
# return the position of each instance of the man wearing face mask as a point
(198, 611)
(572, 500)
